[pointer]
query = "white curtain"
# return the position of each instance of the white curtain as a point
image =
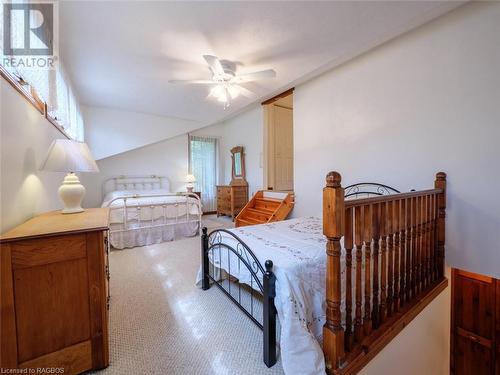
(203, 165)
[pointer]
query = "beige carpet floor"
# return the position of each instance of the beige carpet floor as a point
(161, 323)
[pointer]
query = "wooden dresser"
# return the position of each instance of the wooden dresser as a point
(54, 292)
(475, 326)
(231, 199)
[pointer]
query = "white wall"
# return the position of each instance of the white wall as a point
(428, 101)
(246, 130)
(170, 157)
(110, 131)
(165, 158)
(25, 137)
(423, 347)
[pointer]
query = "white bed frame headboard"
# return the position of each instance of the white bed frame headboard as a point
(135, 183)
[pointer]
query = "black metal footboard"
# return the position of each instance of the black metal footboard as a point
(218, 258)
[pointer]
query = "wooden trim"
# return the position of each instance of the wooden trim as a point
(15, 83)
(53, 223)
(97, 296)
(474, 276)
(74, 359)
(8, 344)
(35, 101)
(268, 135)
(452, 321)
(333, 229)
(54, 122)
(389, 197)
(390, 329)
(279, 96)
(476, 338)
(30, 253)
(283, 106)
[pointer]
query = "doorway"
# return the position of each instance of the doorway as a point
(278, 142)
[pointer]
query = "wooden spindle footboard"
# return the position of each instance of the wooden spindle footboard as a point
(398, 243)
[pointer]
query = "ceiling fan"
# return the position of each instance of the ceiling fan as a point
(227, 82)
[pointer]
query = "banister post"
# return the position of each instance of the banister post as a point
(333, 229)
(440, 183)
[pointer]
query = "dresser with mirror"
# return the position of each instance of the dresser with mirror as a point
(233, 197)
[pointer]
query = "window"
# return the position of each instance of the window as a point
(51, 87)
(203, 165)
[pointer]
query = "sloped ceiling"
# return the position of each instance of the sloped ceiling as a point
(122, 54)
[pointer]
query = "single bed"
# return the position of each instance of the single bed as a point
(143, 211)
(284, 269)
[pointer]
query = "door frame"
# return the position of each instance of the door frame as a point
(269, 137)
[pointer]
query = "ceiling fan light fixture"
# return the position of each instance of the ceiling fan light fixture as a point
(227, 81)
(218, 91)
(223, 98)
(225, 93)
(234, 92)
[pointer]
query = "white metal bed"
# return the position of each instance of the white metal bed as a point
(143, 211)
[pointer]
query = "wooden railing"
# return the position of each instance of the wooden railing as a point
(398, 244)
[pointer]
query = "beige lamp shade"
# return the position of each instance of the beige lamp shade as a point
(65, 155)
(190, 178)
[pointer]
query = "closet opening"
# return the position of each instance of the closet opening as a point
(278, 142)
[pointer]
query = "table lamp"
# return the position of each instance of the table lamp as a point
(190, 179)
(65, 155)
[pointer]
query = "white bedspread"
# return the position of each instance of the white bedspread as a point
(297, 249)
(178, 209)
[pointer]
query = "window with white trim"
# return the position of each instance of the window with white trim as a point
(51, 86)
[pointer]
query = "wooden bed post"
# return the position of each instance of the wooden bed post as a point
(440, 183)
(333, 229)
(205, 284)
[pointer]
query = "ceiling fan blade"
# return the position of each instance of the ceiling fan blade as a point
(245, 92)
(192, 81)
(214, 64)
(255, 76)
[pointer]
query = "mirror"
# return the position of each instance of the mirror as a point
(237, 164)
(238, 168)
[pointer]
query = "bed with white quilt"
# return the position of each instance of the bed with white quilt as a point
(279, 270)
(299, 263)
(143, 211)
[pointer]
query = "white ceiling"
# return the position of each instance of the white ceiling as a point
(122, 54)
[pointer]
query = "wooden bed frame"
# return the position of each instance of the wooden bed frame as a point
(402, 234)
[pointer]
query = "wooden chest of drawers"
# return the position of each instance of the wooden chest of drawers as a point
(231, 199)
(54, 292)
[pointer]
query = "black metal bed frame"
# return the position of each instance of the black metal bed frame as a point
(368, 189)
(213, 243)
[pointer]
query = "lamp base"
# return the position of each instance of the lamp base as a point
(71, 193)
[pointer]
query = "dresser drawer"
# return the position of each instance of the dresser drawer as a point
(224, 193)
(231, 199)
